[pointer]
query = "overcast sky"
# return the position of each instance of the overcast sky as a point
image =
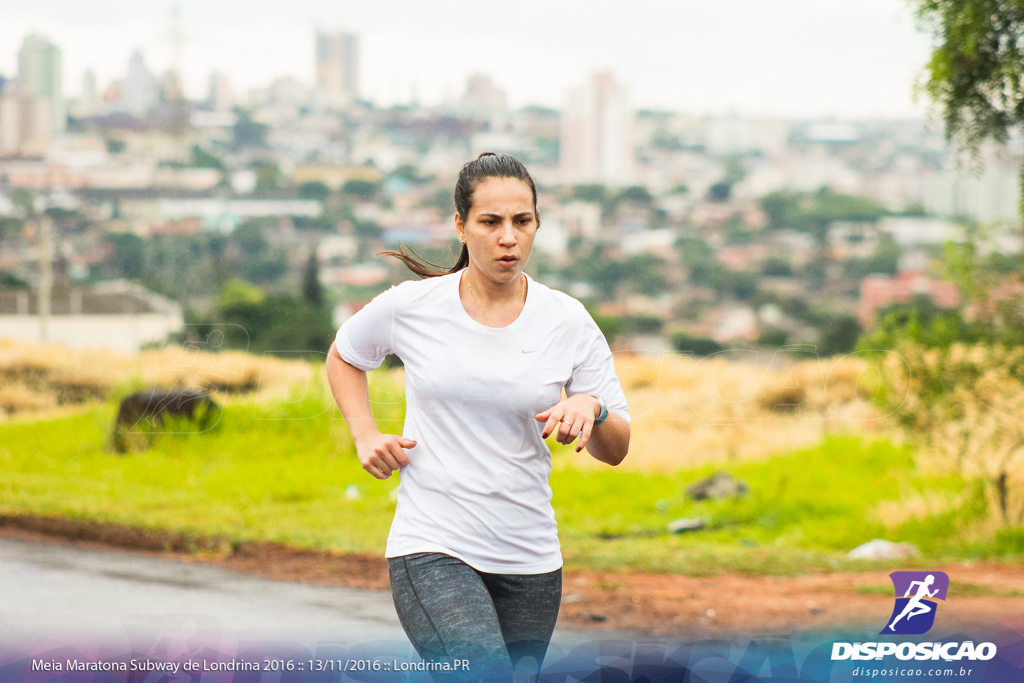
(793, 58)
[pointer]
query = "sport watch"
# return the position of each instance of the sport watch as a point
(604, 410)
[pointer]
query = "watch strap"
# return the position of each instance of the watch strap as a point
(604, 410)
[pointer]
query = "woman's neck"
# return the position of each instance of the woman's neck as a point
(494, 293)
(497, 306)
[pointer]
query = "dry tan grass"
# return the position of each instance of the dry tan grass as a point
(687, 411)
(36, 379)
(226, 372)
(684, 411)
(17, 398)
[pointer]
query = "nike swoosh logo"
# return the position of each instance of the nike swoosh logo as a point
(529, 350)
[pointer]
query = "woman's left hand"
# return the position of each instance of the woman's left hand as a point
(575, 418)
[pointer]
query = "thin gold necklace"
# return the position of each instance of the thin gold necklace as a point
(487, 320)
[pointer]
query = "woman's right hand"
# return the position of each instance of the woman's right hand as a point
(382, 454)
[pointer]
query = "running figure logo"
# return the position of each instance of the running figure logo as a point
(914, 613)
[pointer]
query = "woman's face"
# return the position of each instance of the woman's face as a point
(500, 228)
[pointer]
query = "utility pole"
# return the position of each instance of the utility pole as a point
(179, 108)
(45, 275)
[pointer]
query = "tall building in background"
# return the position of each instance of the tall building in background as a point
(220, 97)
(89, 99)
(26, 124)
(141, 90)
(337, 67)
(483, 100)
(40, 76)
(596, 139)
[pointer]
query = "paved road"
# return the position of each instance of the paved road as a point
(94, 600)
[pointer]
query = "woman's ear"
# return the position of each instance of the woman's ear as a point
(460, 228)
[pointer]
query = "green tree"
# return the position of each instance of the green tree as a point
(643, 324)
(611, 326)
(367, 229)
(238, 294)
(249, 133)
(361, 189)
(637, 194)
(266, 269)
(315, 190)
(312, 290)
(250, 238)
(776, 266)
(829, 207)
(886, 259)
(833, 206)
(735, 171)
(594, 266)
(268, 176)
(644, 273)
(698, 346)
(742, 285)
(976, 69)
(9, 225)
(9, 280)
(203, 159)
(693, 251)
(318, 223)
(839, 335)
(781, 209)
(129, 257)
(405, 172)
(773, 338)
(719, 193)
(588, 193)
(25, 200)
(442, 200)
(272, 323)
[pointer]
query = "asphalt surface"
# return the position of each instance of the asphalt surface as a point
(55, 596)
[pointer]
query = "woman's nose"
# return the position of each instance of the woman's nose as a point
(508, 235)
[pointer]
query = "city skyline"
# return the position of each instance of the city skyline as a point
(796, 59)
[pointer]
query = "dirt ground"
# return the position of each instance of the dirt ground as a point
(645, 604)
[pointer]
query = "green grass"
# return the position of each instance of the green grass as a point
(956, 588)
(805, 510)
(284, 478)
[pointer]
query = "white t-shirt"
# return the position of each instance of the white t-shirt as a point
(476, 486)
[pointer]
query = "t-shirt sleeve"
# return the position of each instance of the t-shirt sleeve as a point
(593, 370)
(364, 339)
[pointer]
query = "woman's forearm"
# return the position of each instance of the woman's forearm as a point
(609, 441)
(352, 394)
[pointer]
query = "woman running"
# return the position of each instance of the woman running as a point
(473, 551)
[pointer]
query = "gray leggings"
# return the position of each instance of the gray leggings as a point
(451, 611)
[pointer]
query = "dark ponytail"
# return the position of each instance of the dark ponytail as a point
(487, 165)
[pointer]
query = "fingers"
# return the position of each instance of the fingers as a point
(584, 435)
(568, 432)
(555, 415)
(569, 424)
(376, 472)
(400, 457)
(391, 459)
(565, 432)
(388, 456)
(577, 429)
